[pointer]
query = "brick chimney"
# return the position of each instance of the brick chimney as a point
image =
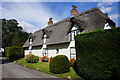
(107, 16)
(74, 11)
(50, 21)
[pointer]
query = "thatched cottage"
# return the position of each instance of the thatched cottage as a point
(58, 38)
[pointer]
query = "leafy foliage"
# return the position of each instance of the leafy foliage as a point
(72, 60)
(14, 52)
(12, 33)
(59, 64)
(98, 55)
(31, 58)
(44, 59)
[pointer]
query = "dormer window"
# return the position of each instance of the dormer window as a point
(74, 33)
(107, 26)
(30, 42)
(45, 39)
(45, 51)
(78, 32)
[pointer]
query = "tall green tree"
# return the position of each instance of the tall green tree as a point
(12, 33)
(0, 33)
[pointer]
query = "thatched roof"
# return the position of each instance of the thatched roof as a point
(59, 32)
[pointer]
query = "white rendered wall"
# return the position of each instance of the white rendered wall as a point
(35, 52)
(64, 49)
(26, 52)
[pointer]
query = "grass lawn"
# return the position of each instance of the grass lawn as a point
(44, 67)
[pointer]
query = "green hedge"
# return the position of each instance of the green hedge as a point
(14, 52)
(31, 58)
(98, 55)
(59, 64)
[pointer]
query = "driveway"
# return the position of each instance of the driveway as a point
(12, 71)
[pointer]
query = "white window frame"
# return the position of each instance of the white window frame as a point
(72, 52)
(45, 39)
(45, 52)
(30, 42)
(74, 33)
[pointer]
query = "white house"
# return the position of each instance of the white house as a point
(58, 38)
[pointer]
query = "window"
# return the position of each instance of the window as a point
(107, 26)
(30, 47)
(45, 39)
(57, 51)
(30, 43)
(73, 52)
(77, 32)
(73, 35)
(45, 52)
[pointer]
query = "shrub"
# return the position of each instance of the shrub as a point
(59, 64)
(14, 52)
(30, 58)
(98, 55)
(71, 62)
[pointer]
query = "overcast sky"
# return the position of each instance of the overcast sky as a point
(33, 16)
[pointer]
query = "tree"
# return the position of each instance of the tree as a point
(0, 34)
(12, 33)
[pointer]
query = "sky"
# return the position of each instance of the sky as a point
(33, 16)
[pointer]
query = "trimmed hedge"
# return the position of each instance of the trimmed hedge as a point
(98, 55)
(31, 58)
(14, 52)
(59, 64)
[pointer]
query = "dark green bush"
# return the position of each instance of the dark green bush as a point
(30, 58)
(98, 55)
(14, 52)
(59, 64)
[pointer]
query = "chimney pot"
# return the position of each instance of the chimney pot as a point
(74, 7)
(107, 16)
(74, 11)
(50, 22)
